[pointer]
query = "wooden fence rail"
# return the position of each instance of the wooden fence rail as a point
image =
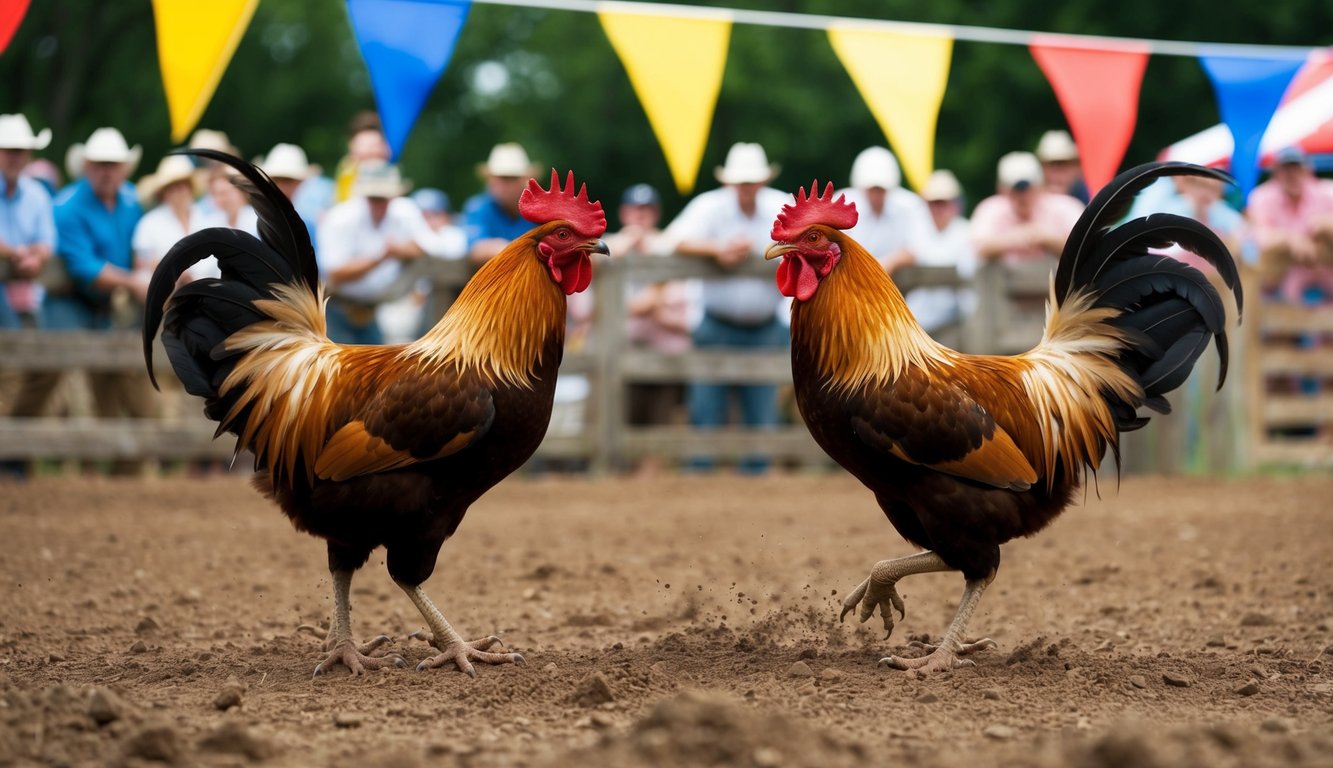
(605, 440)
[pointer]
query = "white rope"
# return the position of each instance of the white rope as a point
(973, 34)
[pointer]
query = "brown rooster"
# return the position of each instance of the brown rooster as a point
(369, 446)
(965, 452)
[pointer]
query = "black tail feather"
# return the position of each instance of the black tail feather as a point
(1169, 311)
(203, 314)
(1108, 207)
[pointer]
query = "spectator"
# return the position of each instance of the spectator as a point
(659, 314)
(730, 226)
(435, 206)
(27, 241)
(363, 244)
(95, 221)
(1292, 215)
(171, 191)
(365, 143)
(946, 244)
(1022, 222)
(289, 168)
(1200, 198)
(27, 223)
(891, 221)
(217, 141)
(1060, 165)
(491, 217)
(226, 205)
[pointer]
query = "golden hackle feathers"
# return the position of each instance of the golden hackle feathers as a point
(865, 333)
(502, 320)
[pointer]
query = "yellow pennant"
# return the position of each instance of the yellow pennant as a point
(901, 76)
(195, 41)
(675, 66)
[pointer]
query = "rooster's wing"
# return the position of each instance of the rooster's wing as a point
(419, 416)
(934, 423)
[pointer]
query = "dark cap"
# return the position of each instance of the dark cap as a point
(641, 194)
(431, 200)
(1292, 155)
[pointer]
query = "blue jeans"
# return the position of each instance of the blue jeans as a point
(344, 331)
(708, 403)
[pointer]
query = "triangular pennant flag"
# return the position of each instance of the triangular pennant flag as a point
(195, 41)
(675, 66)
(1098, 89)
(901, 76)
(406, 45)
(1248, 92)
(11, 15)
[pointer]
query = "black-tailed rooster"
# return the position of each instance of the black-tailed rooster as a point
(965, 452)
(369, 446)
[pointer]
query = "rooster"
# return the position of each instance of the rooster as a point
(368, 446)
(965, 452)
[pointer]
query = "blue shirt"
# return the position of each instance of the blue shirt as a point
(90, 236)
(484, 218)
(26, 218)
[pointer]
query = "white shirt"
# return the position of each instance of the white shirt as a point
(952, 247)
(716, 215)
(160, 229)
(347, 234)
(903, 223)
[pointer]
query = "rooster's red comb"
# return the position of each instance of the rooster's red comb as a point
(809, 210)
(541, 206)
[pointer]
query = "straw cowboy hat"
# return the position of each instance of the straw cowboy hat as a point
(376, 178)
(15, 133)
(876, 167)
(106, 145)
(942, 185)
(509, 159)
(172, 169)
(286, 161)
(215, 140)
(746, 164)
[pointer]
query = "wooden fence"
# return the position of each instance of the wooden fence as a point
(605, 441)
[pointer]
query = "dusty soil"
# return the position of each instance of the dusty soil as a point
(1173, 622)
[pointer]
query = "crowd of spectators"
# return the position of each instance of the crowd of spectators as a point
(79, 256)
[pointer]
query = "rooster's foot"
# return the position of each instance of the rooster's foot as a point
(871, 594)
(358, 658)
(462, 653)
(941, 657)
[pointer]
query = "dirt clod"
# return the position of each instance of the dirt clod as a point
(593, 691)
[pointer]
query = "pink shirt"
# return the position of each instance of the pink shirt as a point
(1274, 215)
(1053, 213)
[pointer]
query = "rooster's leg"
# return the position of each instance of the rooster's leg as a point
(454, 649)
(945, 655)
(880, 589)
(339, 644)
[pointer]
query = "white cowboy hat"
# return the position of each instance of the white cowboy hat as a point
(106, 145)
(376, 178)
(173, 168)
(1056, 147)
(746, 164)
(876, 167)
(942, 185)
(1019, 170)
(15, 133)
(286, 161)
(508, 159)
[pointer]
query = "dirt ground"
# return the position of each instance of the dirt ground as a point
(678, 621)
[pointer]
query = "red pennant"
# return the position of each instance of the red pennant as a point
(1098, 89)
(11, 15)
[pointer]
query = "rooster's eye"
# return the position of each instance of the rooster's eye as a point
(563, 234)
(813, 237)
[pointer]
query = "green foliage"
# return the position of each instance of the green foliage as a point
(297, 76)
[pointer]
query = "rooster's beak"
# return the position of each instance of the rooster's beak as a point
(598, 246)
(778, 249)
